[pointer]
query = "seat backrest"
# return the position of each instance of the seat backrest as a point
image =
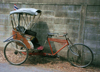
(18, 36)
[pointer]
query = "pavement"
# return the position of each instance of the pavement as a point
(5, 67)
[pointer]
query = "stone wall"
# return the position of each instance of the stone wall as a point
(80, 18)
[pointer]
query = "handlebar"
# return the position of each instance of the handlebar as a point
(64, 35)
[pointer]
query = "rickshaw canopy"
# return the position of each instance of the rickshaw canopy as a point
(25, 17)
(30, 11)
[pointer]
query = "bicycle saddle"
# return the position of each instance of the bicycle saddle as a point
(52, 34)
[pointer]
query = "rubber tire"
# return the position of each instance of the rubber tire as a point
(22, 44)
(87, 48)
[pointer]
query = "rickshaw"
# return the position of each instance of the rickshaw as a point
(23, 41)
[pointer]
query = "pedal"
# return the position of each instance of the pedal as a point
(40, 48)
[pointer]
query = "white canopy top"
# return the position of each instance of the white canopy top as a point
(31, 11)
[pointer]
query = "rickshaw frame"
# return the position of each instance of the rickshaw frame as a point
(22, 39)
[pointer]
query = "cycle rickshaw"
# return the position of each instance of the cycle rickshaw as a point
(23, 41)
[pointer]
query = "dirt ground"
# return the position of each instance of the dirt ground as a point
(60, 64)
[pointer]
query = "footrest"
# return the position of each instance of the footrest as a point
(40, 48)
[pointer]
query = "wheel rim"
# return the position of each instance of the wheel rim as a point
(14, 52)
(85, 55)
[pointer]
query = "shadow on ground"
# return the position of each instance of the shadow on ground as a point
(60, 64)
(43, 60)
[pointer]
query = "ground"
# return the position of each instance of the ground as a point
(60, 64)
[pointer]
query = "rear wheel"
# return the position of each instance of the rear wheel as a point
(80, 55)
(16, 52)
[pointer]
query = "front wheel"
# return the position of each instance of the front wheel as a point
(15, 52)
(80, 55)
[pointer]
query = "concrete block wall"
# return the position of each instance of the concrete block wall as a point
(80, 18)
(58, 19)
(92, 31)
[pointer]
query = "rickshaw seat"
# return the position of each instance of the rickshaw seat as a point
(18, 36)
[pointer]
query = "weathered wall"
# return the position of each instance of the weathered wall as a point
(80, 18)
(92, 30)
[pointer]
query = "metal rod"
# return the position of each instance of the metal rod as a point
(12, 22)
(18, 19)
(24, 20)
(14, 19)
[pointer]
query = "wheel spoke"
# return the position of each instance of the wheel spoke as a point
(84, 57)
(14, 52)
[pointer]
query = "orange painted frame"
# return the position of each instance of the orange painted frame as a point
(59, 41)
(18, 36)
(52, 54)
